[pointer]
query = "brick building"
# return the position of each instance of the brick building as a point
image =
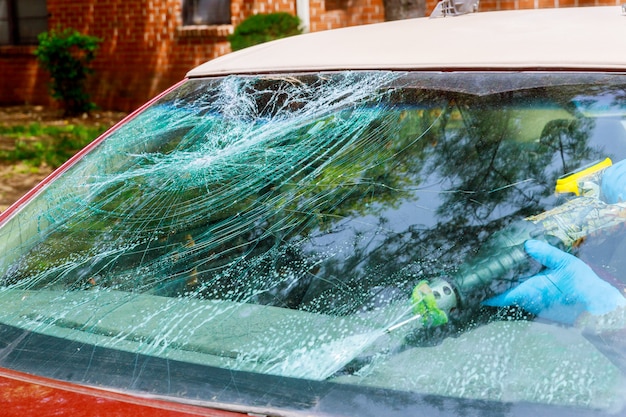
(150, 44)
(147, 44)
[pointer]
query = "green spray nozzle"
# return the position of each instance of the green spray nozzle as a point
(425, 305)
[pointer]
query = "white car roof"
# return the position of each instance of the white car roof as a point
(566, 38)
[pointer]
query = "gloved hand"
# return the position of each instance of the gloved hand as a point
(562, 291)
(613, 187)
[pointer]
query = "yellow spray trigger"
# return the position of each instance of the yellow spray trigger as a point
(569, 183)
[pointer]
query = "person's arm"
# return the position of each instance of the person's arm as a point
(565, 289)
(568, 287)
(613, 185)
(569, 291)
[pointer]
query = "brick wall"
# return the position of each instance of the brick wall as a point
(145, 47)
(250, 7)
(332, 14)
(21, 79)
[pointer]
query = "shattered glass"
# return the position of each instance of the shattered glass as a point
(278, 224)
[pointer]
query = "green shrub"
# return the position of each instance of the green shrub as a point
(261, 28)
(66, 55)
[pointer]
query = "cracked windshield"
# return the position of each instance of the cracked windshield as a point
(458, 235)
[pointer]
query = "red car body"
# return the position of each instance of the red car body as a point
(255, 351)
(28, 395)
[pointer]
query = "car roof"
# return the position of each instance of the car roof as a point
(565, 38)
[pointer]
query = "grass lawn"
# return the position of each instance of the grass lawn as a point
(35, 140)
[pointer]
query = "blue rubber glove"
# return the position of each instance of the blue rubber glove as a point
(613, 187)
(562, 291)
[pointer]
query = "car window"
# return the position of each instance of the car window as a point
(282, 228)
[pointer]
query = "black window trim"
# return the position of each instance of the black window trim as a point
(212, 387)
(14, 23)
(189, 6)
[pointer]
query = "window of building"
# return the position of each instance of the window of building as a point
(336, 5)
(206, 12)
(21, 21)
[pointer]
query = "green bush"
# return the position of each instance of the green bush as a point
(261, 28)
(66, 55)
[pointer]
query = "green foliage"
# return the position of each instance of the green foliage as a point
(261, 28)
(66, 55)
(37, 144)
